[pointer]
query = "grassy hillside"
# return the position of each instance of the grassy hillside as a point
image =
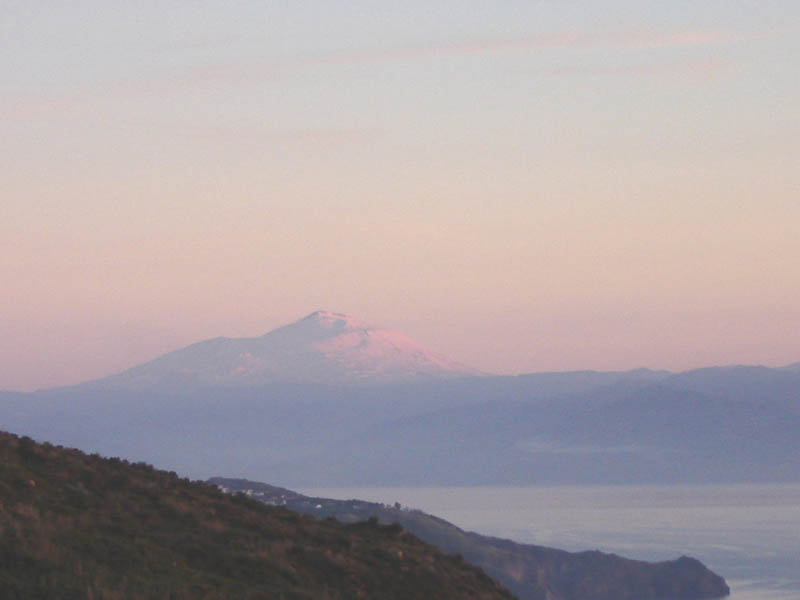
(79, 526)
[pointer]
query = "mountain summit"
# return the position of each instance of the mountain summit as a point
(323, 348)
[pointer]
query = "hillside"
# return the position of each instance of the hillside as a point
(80, 526)
(531, 572)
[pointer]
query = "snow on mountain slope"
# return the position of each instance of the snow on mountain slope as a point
(324, 347)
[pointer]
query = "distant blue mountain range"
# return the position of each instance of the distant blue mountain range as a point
(731, 424)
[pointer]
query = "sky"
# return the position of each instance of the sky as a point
(521, 186)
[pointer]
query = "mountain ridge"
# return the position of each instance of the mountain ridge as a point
(334, 348)
(733, 425)
(323, 347)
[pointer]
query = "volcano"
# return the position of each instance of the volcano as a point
(322, 348)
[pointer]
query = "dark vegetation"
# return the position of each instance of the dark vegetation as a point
(80, 526)
(531, 572)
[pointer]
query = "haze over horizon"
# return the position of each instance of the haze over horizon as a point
(521, 188)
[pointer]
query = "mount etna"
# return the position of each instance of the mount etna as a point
(322, 348)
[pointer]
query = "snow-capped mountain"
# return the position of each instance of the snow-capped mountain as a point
(324, 347)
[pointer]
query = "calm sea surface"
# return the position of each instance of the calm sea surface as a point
(749, 534)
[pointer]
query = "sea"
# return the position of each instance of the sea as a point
(749, 534)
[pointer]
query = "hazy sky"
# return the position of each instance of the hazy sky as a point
(522, 186)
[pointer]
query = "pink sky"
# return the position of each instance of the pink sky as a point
(521, 189)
